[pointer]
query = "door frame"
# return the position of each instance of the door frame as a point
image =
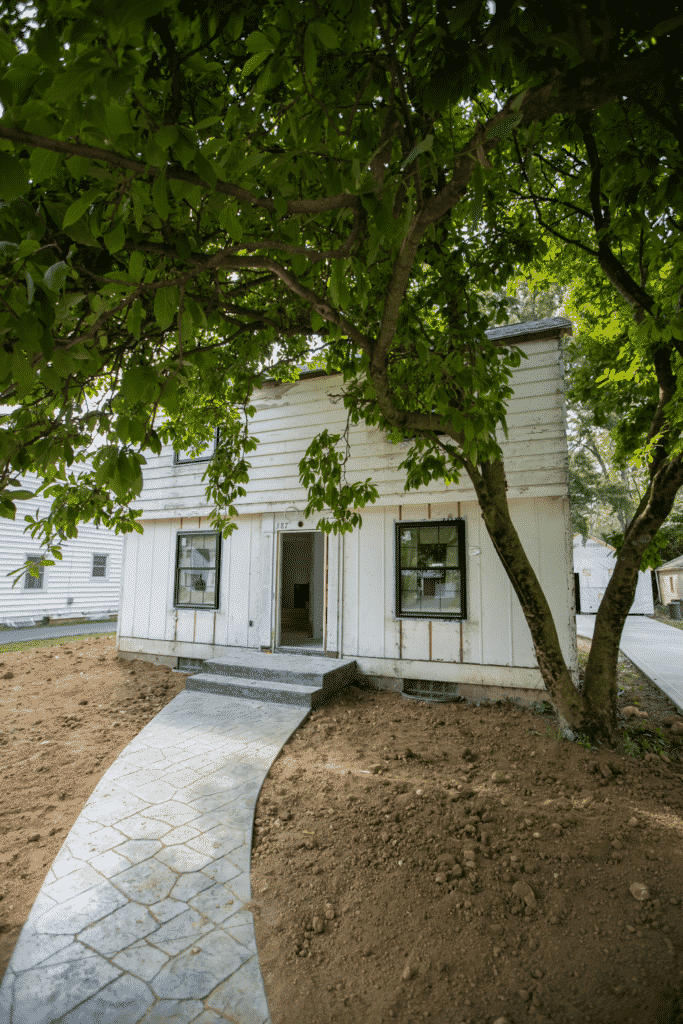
(278, 581)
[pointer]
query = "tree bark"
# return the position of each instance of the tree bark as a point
(490, 485)
(601, 669)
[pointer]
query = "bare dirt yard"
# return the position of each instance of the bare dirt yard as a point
(411, 861)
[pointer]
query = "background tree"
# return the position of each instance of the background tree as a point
(185, 184)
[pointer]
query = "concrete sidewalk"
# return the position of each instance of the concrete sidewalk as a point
(13, 636)
(653, 647)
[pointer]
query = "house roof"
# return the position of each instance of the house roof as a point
(535, 330)
(675, 563)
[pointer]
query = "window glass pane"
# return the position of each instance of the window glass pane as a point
(185, 456)
(410, 600)
(34, 582)
(449, 593)
(99, 566)
(198, 552)
(197, 587)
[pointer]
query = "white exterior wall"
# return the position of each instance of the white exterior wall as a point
(595, 564)
(670, 584)
(289, 416)
(491, 647)
(69, 588)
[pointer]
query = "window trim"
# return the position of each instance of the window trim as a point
(40, 584)
(401, 524)
(177, 461)
(100, 554)
(198, 533)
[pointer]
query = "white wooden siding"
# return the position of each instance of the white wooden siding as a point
(289, 416)
(70, 578)
(361, 620)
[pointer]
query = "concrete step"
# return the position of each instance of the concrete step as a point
(283, 678)
(287, 668)
(278, 692)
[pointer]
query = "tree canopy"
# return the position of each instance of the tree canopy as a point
(184, 185)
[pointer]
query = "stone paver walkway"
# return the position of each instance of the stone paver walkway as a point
(141, 918)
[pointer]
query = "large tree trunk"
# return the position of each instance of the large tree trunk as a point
(601, 669)
(489, 483)
(592, 712)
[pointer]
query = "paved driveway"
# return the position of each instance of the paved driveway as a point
(655, 648)
(11, 636)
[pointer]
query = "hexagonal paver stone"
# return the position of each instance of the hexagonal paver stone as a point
(193, 975)
(51, 992)
(117, 931)
(148, 882)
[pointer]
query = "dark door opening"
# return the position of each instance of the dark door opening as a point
(301, 590)
(577, 593)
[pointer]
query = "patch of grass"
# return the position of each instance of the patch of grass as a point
(639, 741)
(53, 641)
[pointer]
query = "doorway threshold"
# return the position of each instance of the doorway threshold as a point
(314, 649)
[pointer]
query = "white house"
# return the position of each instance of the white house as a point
(417, 595)
(84, 584)
(670, 580)
(593, 567)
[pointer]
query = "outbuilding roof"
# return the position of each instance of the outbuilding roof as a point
(550, 326)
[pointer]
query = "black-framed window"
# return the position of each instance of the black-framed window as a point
(99, 565)
(34, 582)
(197, 572)
(183, 456)
(430, 569)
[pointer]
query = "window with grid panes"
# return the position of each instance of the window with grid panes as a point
(34, 582)
(430, 569)
(205, 456)
(99, 565)
(197, 570)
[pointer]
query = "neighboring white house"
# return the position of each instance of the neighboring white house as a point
(84, 584)
(593, 567)
(417, 595)
(670, 580)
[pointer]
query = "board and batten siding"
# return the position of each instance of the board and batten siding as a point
(289, 416)
(491, 647)
(69, 588)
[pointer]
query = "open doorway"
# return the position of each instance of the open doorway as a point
(301, 591)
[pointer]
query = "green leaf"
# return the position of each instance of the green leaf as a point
(118, 120)
(29, 330)
(30, 287)
(136, 266)
(166, 136)
(310, 55)
(165, 306)
(257, 42)
(55, 276)
(26, 247)
(230, 222)
(209, 122)
(204, 169)
(13, 177)
(43, 164)
(317, 321)
(77, 209)
(138, 383)
(255, 62)
(46, 44)
(421, 147)
(116, 239)
(160, 196)
(23, 374)
(280, 206)
(327, 36)
(503, 128)
(134, 319)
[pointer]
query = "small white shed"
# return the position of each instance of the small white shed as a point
(593, 567)
(417, 595)
(670, 580)
(85, 584)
